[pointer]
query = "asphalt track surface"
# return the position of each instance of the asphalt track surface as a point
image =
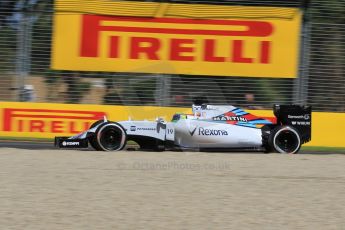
(26, 145)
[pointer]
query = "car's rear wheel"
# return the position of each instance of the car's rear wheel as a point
(285, 139)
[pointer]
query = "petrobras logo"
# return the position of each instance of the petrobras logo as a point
(48, 120)
(230, 118)
(146, 129)
(69, 143)
(208, 132)
(134, 128)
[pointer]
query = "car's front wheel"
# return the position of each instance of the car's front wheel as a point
(109, 136)
(92, 137)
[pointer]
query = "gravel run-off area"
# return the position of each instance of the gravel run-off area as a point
(57, 189)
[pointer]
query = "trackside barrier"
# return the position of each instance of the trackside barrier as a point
(46, 120)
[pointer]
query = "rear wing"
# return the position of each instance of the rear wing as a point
(297, 116)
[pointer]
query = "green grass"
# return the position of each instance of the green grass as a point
(323, 149)
(26, 139)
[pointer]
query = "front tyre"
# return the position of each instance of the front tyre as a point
(285, 139)
(93, 138)
(110, 137)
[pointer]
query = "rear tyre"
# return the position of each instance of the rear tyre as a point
(110, 137)
(285, 139)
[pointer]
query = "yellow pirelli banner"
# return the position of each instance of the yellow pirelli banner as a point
(195, 39)
(44, 120)
(47, 120)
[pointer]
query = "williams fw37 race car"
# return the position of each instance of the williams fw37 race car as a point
(209, 127)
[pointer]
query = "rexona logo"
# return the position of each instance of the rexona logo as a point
(209, 132)
(48, 120)
(191, 132)
(230, 118)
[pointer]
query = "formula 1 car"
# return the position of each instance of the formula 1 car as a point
(209, 127)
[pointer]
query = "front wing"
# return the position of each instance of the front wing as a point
(67, 143)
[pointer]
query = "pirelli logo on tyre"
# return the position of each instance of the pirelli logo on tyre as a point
(163, 43)
(48, 120)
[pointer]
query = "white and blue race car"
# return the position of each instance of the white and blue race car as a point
(209, 127)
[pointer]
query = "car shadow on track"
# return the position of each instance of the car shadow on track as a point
(30, 145)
